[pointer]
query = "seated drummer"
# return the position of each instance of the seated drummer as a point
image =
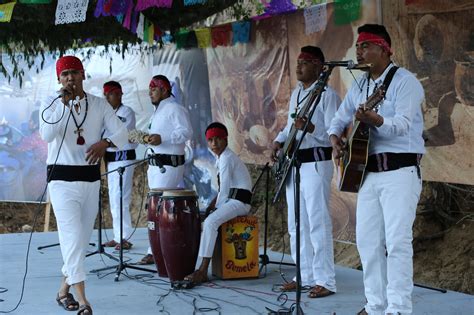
(233, 198)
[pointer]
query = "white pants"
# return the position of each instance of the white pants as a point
(171, 179)
(114, 198)
(75, 206)
(316, 242)
(386, 209)
(229, 210)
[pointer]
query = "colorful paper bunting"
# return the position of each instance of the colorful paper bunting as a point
(193, 2)
(145, 4)
(221, 35)
(71, 11)
(186, 39)
(315, 18)
(240, 32)
(6, 11)
(275, 7)
(203, 36)
(346, 11)
(35, 1)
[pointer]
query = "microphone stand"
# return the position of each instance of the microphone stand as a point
(264, 260)
(100, 246)
(121, 265)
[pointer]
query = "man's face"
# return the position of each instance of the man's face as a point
(368, 52)
(72, 78)
(217, 145)
(114, 98)
(307, 71)
(156, 94)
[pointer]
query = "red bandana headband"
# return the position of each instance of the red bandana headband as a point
(68, 63)
(216, 132)
(374, 39)
(110, 88)
(154, 83)
(307, 56)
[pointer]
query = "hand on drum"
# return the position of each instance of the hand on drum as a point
(154, 139)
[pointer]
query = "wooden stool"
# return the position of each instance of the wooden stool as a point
(236, 251)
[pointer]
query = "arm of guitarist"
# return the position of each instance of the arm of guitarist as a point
(275, 148)
(301, 121)
(369, 117)
(338, 146)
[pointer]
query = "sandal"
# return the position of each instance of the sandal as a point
(195, 278)
(85, 310)
(67, 302)
(288, 287)
(126, 245)
(319, 292)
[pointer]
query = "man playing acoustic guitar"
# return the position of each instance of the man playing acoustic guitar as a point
(316, 247)
(388, 196)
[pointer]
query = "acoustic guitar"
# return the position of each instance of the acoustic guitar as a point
(351, 165)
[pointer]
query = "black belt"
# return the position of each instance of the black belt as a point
(243, 195)
(125, 155)
(167, 159)
(315, 154)
(73, 173)
(383, 162)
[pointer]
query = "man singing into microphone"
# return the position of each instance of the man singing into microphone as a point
(316, 248)
(169, 129)
(387, 199)
(72, 124)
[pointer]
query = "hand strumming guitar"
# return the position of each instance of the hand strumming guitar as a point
(369, 117)
(338, 146)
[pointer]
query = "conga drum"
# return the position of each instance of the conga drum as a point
(180, 232)
(153, 207)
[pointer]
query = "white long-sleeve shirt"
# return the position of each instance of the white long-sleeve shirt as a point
(321, 119)
(402, 128)
(100, 116)
(232, 174)
(171, 121)
(126, 116)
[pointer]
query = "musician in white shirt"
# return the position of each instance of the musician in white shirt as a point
(388, 197)
(120, 158)
(233, 198)
(169, 128)
(72, 125)
(316, 245)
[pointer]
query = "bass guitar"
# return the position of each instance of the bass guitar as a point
(284, 160)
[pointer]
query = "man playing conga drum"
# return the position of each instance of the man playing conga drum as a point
(233, 198)
(169, 129)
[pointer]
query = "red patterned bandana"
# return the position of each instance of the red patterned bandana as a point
(154, 83)
(68, 63)
(374, 39)
(216, 132)
(110, 88)
(307, 56)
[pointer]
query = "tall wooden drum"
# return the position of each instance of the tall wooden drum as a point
(153, 209)
(180, 232)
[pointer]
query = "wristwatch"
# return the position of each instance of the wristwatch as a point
(109, 142)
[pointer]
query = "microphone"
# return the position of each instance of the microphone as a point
(155, 161)
(349, 64)
(64, 92)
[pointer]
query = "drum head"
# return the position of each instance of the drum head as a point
(160, 191)
(179, 193)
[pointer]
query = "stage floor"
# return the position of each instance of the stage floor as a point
(143, 293)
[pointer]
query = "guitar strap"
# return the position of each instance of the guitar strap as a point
(389, 77)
